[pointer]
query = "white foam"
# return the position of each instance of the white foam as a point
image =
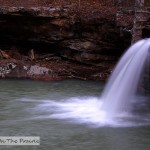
(85, 110)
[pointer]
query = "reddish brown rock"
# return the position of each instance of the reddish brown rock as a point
(53, 43)
(4, 55)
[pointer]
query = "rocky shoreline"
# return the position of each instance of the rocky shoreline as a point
(49, 70)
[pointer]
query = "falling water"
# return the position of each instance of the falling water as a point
(114, 107)
(122, 85)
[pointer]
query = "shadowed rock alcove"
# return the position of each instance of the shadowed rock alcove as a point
(91, 45)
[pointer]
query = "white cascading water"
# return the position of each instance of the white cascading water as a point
(114, 104)
(122, 85)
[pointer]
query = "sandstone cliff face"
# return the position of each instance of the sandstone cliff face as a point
(65, 44)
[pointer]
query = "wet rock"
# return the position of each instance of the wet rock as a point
(6, 69)
(31, 54)
(80, 45)
(52, 70)
(37, 70)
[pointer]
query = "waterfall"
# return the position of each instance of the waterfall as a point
(123, 83)
(115, 106)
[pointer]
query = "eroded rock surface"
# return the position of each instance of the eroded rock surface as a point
(65, 44)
